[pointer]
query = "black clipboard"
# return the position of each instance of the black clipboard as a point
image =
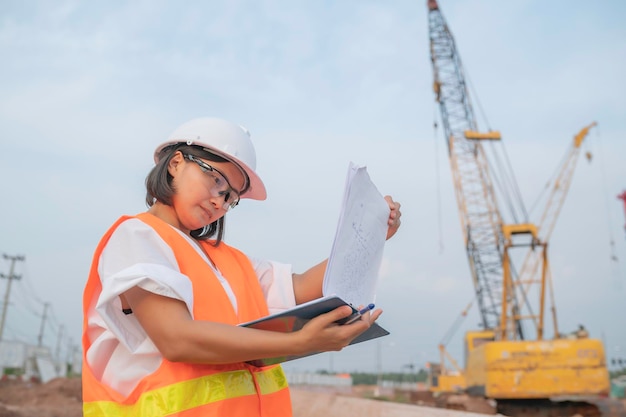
(295, 318)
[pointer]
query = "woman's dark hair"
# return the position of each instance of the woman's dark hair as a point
(159, 186)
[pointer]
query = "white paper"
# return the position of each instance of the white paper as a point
(357, 251)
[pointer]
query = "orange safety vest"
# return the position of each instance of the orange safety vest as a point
(190, 390)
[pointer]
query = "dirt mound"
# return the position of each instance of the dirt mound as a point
(60, 397)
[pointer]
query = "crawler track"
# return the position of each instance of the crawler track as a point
(562, 407)
(584, 407)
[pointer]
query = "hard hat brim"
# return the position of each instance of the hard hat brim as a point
(256, 190)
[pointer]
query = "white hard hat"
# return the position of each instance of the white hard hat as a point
(225, 139)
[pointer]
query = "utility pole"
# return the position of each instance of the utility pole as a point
(57, 353)
(43, 322)
(10, 277)
(69, 358)
(68, 354)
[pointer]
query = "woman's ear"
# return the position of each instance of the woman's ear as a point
(175, 163)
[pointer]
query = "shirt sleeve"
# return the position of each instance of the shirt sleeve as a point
(135, 255)
(276, 281)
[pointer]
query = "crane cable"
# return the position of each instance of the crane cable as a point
(550, 180)
(438, 182)
(473, 90)
(614, 260)
(513, 198)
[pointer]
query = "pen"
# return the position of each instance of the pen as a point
(366, 309)
(360, 313)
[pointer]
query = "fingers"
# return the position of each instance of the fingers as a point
(335, 315)
(371, 316)
(375, 315)
(324, 334)
(394, 216)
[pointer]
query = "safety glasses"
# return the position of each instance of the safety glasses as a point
(220, 187)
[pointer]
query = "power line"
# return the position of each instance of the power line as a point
(31, 290)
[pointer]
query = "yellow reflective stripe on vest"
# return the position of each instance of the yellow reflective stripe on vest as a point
(190, 394)
(271, 380)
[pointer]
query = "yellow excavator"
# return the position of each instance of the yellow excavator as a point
(511, 362)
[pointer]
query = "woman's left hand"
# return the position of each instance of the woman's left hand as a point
(394, 216)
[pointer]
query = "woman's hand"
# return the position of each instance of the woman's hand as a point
(394, 216)
(323, 334)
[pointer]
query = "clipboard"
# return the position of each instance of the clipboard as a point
(295, 318)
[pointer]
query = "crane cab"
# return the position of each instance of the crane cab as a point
(526, 369)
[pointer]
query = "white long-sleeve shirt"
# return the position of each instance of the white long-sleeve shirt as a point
(121, 353)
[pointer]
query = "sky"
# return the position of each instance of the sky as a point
(89, 89)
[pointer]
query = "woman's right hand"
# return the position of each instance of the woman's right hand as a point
(323, 334)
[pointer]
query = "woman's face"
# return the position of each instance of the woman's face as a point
(203, 189)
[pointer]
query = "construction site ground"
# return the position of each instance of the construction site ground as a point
(61, 397)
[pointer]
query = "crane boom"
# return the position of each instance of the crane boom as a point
(500, 364)
(561, 185)
(530, 266)
(480, 218)
(501, 292)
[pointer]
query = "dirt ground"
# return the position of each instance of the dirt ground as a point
(61, 397)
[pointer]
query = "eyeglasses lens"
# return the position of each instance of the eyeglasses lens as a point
(220, 185)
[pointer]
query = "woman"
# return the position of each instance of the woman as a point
(165, 294)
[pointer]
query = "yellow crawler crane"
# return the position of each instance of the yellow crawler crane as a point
(510, 361)
(507, 368)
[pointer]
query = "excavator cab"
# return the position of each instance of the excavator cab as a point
(442, 380)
